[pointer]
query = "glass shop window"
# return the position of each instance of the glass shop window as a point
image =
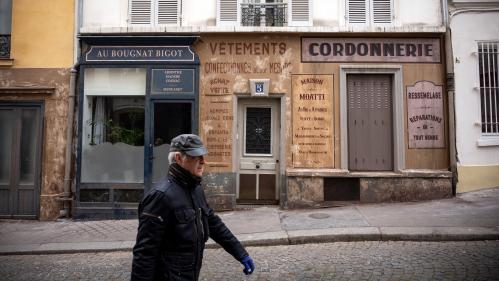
(113, 125)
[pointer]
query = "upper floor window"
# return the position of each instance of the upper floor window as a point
(5, 28)
(488, 61)
(155, 12)
(264, 13)
(369, 12)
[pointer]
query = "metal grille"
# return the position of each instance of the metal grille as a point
(263, 14)
(5, 46)
(258, 130)
(489, 81)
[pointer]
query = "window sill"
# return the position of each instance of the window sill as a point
(6, 62)
(488, 141)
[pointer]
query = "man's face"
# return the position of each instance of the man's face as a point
(193, 164)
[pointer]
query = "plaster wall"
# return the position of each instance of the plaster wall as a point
(468, 29)
(109, 13)
(54, 127)
(42, 33)
(114, 13)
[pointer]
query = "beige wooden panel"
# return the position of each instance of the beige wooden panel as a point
(313, 121)
(426, 158)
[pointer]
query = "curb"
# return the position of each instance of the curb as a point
(280, 238)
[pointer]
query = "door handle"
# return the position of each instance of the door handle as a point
(257, 165)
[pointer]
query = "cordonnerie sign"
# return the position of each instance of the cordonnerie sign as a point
(413, 50)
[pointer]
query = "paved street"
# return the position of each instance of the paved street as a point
(478, 260)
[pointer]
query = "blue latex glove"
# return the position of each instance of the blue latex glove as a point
(249, 265)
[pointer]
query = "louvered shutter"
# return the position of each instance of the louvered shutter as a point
(227, 11)
(357, 11)
(168, 12)
(299, 13)
(140, 11)
(381, 11)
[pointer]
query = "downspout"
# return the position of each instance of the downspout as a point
(449, 66)
(66, 197)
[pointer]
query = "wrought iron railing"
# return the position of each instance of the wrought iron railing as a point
(263, 14)
(4, 46)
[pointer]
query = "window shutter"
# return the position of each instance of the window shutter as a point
(168, 12)
(140, 11)
(227, 13)
(299, 13)
(382, 11)
(357, 11)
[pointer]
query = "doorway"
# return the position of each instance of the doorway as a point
(258, 127)
(169, 119)
(370, 128)
(20, 154)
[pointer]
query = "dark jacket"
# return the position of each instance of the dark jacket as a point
(174, 223)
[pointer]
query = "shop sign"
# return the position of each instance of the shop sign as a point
(425, 115)
(172, 80)
(312, 99)
(139, 53)
(408, 50)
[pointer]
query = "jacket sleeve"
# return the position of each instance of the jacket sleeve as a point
(152, 225)
(221, 234)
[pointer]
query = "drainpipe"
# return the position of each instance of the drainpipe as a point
(449, 66)
(66, 197)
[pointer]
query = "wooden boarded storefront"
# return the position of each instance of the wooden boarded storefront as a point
(329, 118)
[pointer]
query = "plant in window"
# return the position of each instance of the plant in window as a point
(129, 129)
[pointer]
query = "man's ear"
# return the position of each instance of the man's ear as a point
(178, 157)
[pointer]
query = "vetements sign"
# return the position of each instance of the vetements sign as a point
(312, 99)
(413, 50)
(425, 118)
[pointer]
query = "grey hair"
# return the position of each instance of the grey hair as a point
(171, 156)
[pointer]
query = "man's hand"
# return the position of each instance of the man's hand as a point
(249, 266)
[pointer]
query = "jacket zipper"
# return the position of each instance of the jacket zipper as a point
(153, 216)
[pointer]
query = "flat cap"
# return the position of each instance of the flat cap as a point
(190, 144)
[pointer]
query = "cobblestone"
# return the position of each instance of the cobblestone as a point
(334, 261)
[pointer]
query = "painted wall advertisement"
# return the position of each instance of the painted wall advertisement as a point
(425, 115)
(313, 143)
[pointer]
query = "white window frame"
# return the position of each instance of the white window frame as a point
(369, 14)
(154, 16)
(289, 14)
(488, 53)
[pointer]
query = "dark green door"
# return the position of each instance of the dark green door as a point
(20, 148)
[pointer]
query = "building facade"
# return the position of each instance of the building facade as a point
(36, 55)
(301, 103)
(474, 26)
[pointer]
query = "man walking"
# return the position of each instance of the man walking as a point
(175, 221)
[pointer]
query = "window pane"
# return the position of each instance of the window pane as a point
(28, 146)
(115, 81)
(489, 91)
(6, 131)
(94, 195)
(128, 195)
(258, 130)
(5, 16)
(113, 140)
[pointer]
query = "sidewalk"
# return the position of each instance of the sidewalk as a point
(470, 216)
